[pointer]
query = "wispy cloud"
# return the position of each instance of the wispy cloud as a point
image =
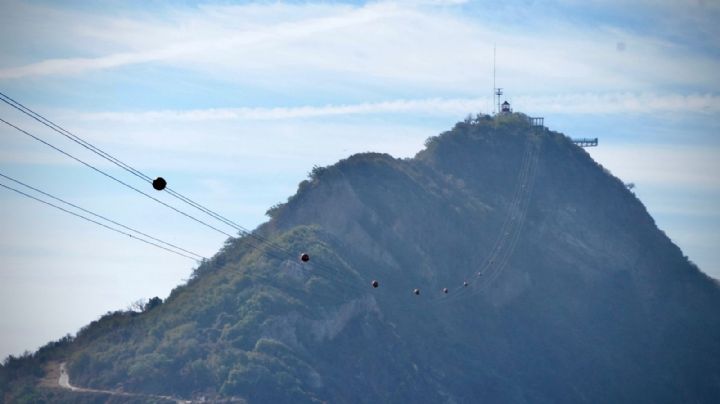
(623, 103)
(423, 46)
(207, 42)
(586, 103)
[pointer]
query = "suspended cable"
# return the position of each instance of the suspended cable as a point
(96, 222)
(463, 288)
(57, 128)
(496, 252)
(523, 205)
(87, 145)
(261, 239)
(508, 233)
(113, 178)
(62, 131)
(100, 216)
(510, 217)
(523, 214)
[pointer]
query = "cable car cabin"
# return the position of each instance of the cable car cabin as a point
(505, 108)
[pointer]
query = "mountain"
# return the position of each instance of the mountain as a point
(573, 294)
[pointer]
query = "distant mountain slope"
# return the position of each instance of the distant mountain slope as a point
(573, 294)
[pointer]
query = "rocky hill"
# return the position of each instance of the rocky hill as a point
(560, 288)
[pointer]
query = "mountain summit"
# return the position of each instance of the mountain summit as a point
(510, 268)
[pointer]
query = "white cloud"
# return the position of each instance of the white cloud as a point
(622, 103)
(216, 145)
(434, 105)
(422, 46)
(199, 41)
(585, 103)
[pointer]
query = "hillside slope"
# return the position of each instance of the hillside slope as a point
(573, 294)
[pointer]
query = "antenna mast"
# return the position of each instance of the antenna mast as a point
(496, 91)
(494, 79)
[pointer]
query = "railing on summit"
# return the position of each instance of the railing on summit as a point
(537, 121)
(586, 142)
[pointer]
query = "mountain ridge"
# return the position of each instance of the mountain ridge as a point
(585, 300)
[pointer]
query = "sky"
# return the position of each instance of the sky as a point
(235, 102)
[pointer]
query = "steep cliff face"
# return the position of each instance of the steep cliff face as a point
(573, 294)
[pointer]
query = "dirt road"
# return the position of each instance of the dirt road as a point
(63, 382)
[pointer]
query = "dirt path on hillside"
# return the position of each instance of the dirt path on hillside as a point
(60, 378)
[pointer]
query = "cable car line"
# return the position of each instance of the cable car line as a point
(118, 180)
(502, 238)
(57, 128)
(512, 217)
(96, 222)
(87, 145)
(492, 272)
(521, 223)
(507, 223)
(137, 173)
(493, 265)
(100, 216)
(113, 178)
(502, 262)
(516, 238)
(62, 131)
(499, 253)
(503, 246)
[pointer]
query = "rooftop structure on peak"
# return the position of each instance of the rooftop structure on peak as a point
(505, 108)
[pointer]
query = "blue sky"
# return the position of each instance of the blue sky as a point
(234, 103)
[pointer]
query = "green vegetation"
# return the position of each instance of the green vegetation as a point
(596, 304)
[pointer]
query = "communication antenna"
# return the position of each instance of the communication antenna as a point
(497, 92)
(494, 89)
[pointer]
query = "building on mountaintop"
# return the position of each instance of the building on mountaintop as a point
(505, 108)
